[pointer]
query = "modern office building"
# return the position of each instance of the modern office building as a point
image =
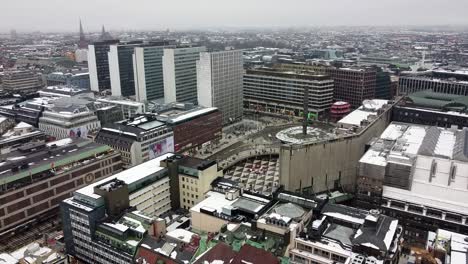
(418, 174)
(106, 222)
(219, 77)
(70, 117)
(184, 119)
(71, 79)
(352, 85)
(435, 109)
(273, 91)
(121, 68)
(16, 81)
(180, 74)
(98, 64)
(148, 71)
(415, 83)
(138, 139)
(38, 176)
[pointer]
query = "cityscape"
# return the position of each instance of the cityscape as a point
(235, 141)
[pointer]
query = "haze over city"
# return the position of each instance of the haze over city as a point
(57, 15)
(234, 132)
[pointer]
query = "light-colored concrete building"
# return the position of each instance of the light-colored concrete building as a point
(180, 74)
(195, 178)
(330, 161)
(219, 78)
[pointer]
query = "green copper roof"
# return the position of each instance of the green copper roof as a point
(432, 99)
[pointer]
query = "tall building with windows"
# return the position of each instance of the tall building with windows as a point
(121, 68)
(148, 71)
(98, 64)
(219, 77)
(180, 74)
(279, 92)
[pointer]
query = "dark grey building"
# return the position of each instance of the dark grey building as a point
(98, 63)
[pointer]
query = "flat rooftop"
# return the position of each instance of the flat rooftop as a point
(128, 176)
(176, 115)
(35, 158)
(368, 107)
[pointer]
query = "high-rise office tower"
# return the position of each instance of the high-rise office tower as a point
(121, 68)
(219, 77)
(180, 74)
(98, 64)
(148, 71)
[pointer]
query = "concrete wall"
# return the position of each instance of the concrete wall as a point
(323, 162)
(206, 223)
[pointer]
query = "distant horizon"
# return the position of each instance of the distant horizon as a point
(118, 15)
(240, 28)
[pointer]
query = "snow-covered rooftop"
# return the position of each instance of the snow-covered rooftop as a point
(129, 176)
(214, 200)
(369, 107)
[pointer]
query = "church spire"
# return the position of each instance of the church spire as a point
(83, 44)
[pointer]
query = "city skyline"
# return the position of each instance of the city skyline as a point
(27, 16)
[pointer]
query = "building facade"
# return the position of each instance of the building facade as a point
(139, 140)
(184, 119)
(352, 85)
(39, 176)
(21, 82)
(417, 174)
(78, 123)
(180, 74)
(106, 222)
(148, 71)
(411, 84)
(98, 64)
(283, 93)
(219, 77)
(121, 68)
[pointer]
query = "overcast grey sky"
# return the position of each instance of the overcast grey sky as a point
(63, 15)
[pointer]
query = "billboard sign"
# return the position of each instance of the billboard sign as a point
(161, 147)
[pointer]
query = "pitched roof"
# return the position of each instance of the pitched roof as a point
(250, 254)
(221, 252)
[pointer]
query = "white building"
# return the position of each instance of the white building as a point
(219, 82)
(365, 114)
(70, 117)
(180, 74)
(420, 174)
